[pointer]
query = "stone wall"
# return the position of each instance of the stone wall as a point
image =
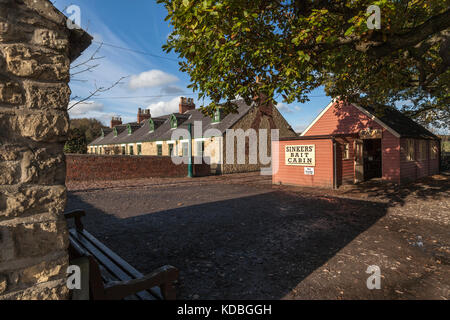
(247, 122)
(84, 167)
(35, 56)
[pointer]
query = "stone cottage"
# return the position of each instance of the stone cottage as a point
(153, 135)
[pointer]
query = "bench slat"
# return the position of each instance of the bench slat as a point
(107, 263)
(156, 291)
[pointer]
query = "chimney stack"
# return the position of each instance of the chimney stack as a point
(115, 121)
(143, 115)
(186, 104)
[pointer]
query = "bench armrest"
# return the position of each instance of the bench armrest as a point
(76, 214)
(163, 277)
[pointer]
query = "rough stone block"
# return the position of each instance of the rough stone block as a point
(9, 172)
(11, 92)
(3, 284)
(50, 38)
(47, 96)
(7, 244)
(36, 274)
(9, 152)
(50, 126)
(32, 62)
(43, 166)
(39, 239)
(52, 290)
(32, 199)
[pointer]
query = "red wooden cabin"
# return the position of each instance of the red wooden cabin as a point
(354, 144)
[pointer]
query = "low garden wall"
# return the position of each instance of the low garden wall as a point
(83, 167)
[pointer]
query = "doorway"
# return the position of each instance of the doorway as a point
(367, 159)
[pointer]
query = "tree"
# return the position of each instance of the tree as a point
(91, 128)
(289, 48)
(76, 142)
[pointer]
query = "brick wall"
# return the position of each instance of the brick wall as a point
(118, 167)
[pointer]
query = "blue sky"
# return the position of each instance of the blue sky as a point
(152, 82)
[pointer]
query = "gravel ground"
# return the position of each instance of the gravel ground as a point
(239, 237)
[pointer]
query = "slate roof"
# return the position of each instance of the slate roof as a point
(403, 125)
(163, 130)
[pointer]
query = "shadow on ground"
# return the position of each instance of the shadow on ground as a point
(257, 246)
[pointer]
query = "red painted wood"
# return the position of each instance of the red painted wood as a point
(294, 175)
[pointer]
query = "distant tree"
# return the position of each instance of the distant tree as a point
(90, 127)
(77, 142)
(288, 48)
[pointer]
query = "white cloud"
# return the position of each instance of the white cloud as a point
(151, 78)
(283, 107)
(84, 107)
(164, 107)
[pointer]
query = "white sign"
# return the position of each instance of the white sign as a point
(309, 171)
(300, 155)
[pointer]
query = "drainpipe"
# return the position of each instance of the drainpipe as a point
(334, 165)
(190, 174)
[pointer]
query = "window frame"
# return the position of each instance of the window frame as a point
(139, 149)
(159, 150)
(434, 150)
(410, 150)
(345, 151)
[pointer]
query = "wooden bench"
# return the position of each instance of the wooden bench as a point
(109, 276)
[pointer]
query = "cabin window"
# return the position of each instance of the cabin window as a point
(124, 151)
(422, 150)
(346, 151)
(433, 150)
(159, 149)
(170, 149)
(139, 149)
(410, 152)
(131, 150)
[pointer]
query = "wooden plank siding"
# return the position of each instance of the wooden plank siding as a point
(345, 167)
(415, 169)
(343, 118)
(294, 175)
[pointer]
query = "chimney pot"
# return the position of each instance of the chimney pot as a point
(186, 104)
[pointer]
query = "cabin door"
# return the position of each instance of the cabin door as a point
(359, 160)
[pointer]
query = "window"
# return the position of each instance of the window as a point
(95, 150)
(159, 149)
(139, 149)
(131, 150)
(200, 148)
(346, 151)
(433, 150)
(115, 132)
(410, 152)
(216, 116)
(185, 147)
(151, 125)
(129, 129)
(124, 151)
(173, 122)
(170, 149)
(422, 150)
